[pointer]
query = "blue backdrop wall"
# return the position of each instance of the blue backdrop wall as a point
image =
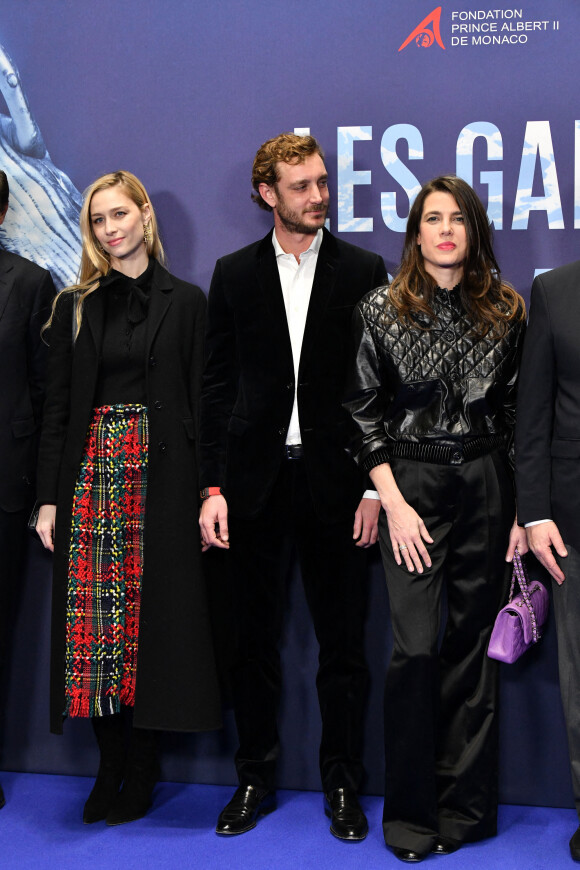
(182, 93)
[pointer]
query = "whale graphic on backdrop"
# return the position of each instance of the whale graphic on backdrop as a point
(42, 223)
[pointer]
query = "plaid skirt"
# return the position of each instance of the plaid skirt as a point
(106, 563)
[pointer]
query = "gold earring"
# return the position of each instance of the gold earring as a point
(147, 234)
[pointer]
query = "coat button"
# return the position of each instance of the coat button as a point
(158, 405)
(162, 446)
(282, 430)
(290, 386)
(152, 361)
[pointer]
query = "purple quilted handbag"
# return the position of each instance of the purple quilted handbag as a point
(517, 625)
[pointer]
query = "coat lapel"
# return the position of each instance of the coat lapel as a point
(6, 283)
(161, 287)
(94, 314)
(322, 287)
(271, 290)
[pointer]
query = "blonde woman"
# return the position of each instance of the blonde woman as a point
(117, 485)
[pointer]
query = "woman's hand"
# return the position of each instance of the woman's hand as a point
(45, 525)
(408, 531)
(406, 528)
(518, 538)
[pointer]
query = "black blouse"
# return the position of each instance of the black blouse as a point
(122, 363)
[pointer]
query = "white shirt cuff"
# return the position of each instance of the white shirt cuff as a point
(536, 523)
(371, 493)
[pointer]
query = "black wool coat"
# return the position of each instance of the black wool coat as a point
(26, 292)
(176, 686)
(548, 410)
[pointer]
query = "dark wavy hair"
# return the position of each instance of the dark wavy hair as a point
(285, 148)
(490, 302)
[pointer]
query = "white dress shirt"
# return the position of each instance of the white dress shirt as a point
(297, 279)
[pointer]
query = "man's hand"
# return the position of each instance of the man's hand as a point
(213, 523)
(366, 522)
(45, 525)
(541, 539)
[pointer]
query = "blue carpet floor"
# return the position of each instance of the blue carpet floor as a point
(41, 827)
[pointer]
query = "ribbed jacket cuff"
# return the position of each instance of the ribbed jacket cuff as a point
(377, 457)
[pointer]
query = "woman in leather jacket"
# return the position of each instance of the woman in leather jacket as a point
(432, 396)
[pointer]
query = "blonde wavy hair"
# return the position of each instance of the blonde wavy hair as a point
(95, 262)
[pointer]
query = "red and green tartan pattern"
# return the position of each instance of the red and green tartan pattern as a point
(106, 563)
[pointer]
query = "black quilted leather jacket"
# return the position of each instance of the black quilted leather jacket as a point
(438, 395)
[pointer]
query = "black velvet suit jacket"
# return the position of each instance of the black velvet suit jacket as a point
(548, 410)
(26, 293)
(248, 387)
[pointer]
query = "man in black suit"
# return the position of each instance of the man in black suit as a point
(275, 473)
(26, 293)
(548, 473)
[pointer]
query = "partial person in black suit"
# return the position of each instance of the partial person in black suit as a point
(275, 473)
(548, 473)
(26, 292)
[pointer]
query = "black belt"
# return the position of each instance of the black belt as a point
(294, 451)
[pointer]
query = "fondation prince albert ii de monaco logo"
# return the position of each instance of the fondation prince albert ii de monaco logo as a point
(427, 32)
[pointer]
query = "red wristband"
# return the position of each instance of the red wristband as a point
(209, 490)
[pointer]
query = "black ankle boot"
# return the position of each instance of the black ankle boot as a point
(141, 774)
(110, 734)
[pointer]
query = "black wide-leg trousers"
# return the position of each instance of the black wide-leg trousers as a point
(14, 536)
(441, 728)
(334, 576)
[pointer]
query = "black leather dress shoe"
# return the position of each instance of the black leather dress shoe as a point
(445, 846)
(244, 809)
(347, 820)
(575, 846)
(407, 855)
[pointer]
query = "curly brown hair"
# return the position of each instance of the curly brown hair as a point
(490, 302)
(285, 148)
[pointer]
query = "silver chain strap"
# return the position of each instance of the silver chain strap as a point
(520, 572)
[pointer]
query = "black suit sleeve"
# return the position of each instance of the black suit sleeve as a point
(196, 360)
(220, 382)
(535, 412)
(57, 404)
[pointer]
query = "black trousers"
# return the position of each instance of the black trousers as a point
(13, 539)
(441, 728)
(333, 573)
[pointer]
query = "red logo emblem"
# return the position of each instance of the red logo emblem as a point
(423, 34)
